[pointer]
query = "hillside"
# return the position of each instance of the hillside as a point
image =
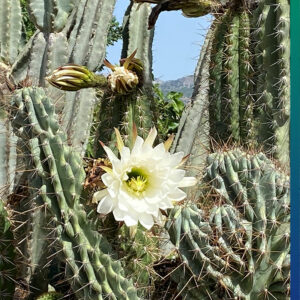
(183, 85)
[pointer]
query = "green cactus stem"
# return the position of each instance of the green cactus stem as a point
(90, 268)
(248, 99)
(136, 106)
(10, 30)
(7, 257)
(240, 247)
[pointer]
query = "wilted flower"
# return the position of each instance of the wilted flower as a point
(126, 77)
(73, 77)
(142, 182)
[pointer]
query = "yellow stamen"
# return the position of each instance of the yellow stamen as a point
(137, 185)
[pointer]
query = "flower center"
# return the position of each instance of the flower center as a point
(137, 181)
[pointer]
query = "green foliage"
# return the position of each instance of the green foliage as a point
(28, 26)
(114, 32)
(170, 109)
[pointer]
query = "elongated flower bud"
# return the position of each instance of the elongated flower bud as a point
(73, 77)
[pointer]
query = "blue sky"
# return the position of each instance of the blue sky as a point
(177, 43)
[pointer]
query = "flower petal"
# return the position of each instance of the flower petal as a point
(177, 195)
(105, 206)
(137, 146)
(151, 137)
(107, 179)
(131, 219)
(111, 156)
(146, 220)
(187, 181)
(120, 143)
(99, 195)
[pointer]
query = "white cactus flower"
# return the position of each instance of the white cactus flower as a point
(142, 182)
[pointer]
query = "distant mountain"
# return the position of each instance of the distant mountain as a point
(183, 85)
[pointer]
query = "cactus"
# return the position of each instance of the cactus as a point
(7, 139)
(139, 253)
(7, 256)
(58, 176)
(135, 107)
(248, 97)
(232, 237)
(10, 30)
(242, 244)
(32, 233)
(74, 32)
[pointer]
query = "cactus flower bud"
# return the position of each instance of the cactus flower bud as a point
(73, 77)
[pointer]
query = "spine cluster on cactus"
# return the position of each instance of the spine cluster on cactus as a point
(90, 269)
(242, 245)
(7, 256)
(50, 235)
(248, 102)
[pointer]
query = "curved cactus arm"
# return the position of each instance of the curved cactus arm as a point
(91, 271)
(190, 8)
(10, 30)
(241, 245)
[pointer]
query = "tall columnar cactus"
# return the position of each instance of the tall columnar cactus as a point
(57, 181)
(248, 99)
(10, 30)
(241, 246)
(7, 139)
(71, 32)
(135, 107)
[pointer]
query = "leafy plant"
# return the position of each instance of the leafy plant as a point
(170, 108)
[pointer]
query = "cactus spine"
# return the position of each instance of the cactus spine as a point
(242, 245)
(248, 101)
(73, 32)
(7, 256)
